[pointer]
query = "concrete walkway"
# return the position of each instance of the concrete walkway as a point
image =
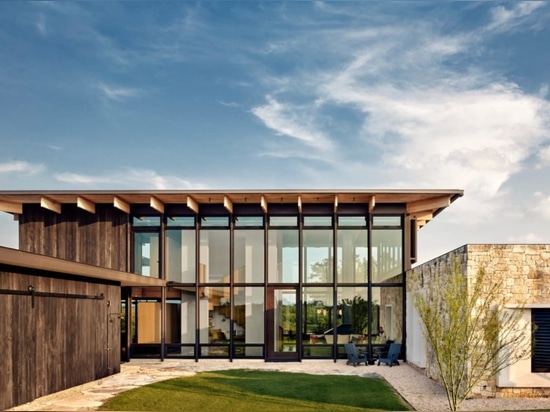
(419, 391)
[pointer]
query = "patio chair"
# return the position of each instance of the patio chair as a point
(391, 357)
(354, 357)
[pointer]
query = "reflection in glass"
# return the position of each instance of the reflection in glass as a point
(352, 317)
(249, 256)
(318, 252)
(214, 256)
(283, 251)
(284, 324)
(180, 256)
(352, 256)
(317, 313)
(146, 254)
(387, 254)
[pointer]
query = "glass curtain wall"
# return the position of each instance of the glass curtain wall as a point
(338, 304)
(283, 256)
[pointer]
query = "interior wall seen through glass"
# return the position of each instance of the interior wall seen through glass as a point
(248, 311)
(214, 256)
(215, 315)
(352, 259)
(390, 301)
(180, 256)
(283, 253)
(249, 256)
(387, 254)
(318, 256)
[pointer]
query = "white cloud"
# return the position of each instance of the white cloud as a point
(544, 157)
(541, 205)
(506, 19)
(429, 124)
(130, 178)
(295, 122)
(21, 167)
(526, 238)
(116, 93)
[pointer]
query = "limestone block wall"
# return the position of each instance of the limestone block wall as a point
(526, 270)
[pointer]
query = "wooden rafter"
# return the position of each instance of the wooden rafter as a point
(121, 205)
(156, 204)
(192, 204)
(50, 204)
(372, 203)
(429, 204)
(85, 204)
(228, 204)
(10, 207)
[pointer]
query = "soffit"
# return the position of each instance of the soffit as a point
(420, 204)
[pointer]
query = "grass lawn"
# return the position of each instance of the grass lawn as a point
(262, 391)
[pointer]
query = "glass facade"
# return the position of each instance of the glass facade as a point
(273, 287)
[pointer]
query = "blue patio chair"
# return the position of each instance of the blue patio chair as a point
(354, 357)
(390, 358)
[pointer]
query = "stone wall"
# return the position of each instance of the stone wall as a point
(526, 270)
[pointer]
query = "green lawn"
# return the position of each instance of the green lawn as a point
(246, 390)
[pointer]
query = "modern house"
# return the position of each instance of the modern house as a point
(101, 277)
(525, 270)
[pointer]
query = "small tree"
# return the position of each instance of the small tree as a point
(471, 334)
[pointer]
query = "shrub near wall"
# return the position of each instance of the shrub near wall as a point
(526, 270)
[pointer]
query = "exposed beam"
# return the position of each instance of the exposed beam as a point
(429, 204)
(121, 205)
(425, 216)
(372, 203)
(50, 204)
(85, 204)
(228, 204)
(335, 203)
(299, 204)
(263, 204)
(156, 204)
(10, 207)
(192, 204)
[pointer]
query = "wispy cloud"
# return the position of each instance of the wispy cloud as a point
(117, 93)
(504, 19)
(293, 121)
(21, 167)
(129, 178)
(431, 120)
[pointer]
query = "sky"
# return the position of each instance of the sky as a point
(285, 95)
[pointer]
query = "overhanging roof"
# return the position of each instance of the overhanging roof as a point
(420, 204)
(18, 258)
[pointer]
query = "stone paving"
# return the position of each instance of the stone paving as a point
(418, 390)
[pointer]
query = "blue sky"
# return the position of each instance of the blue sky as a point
(298, 95)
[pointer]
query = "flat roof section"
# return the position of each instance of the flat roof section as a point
(423, 205)
(27, 260)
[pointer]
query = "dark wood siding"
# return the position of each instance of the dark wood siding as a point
(99, 239)
(57, 342)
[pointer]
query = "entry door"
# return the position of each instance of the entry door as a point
(282, 323)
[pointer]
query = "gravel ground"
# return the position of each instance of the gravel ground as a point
(419, 391)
